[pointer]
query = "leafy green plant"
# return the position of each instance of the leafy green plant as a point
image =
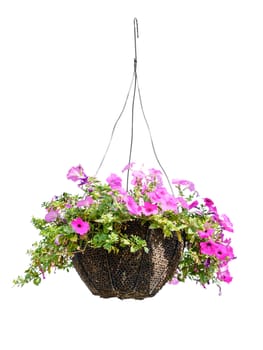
(95, 217)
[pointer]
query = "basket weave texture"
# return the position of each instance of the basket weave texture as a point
(128, 275)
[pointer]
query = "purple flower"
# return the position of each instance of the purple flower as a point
(212, 208)
(206, 233)
(207, 262)
(220, 251)
(77, 173)
(193, 205)
(183, 202)
(85, 202)
(208, 247)
(132, 206)
(186, 183)
(79, 226)
(225, 223)
(51, 215)
(149, 209)
(115, 182)
(128, 166)
(224, 275)
(174, 281)
(138, 176)
(156, 175)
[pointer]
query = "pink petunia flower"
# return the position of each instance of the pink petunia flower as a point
(149, 209)
(115, 182)
(79, 226)
(224, 275)
(132, 206)
(51, 215)
(220, 251)
(212, 208)
(193, 204)
(206, 233)
(76, 173)
(128, 166)
(174, 281)
(225, 223)
(186, 183)
(183, 202)
(85, 202)
(208, 247)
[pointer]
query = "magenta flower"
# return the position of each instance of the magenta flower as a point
(164, 198)
(114, 181)
(174, 281)
(156, 175)
(76, 173)
(220, 251)
(79, 226)
(210, 205)
(208, 247)
(206, 233)
(193, 205)
(138, 176)
(225, 223)
(186, 183)
(224, 275)
(169, 203)
(128, 166)
(183, 202)
(85, 202)
(149, 209)
(132, 206)
(51, 215)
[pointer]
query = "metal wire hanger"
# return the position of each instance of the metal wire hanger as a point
(136, 88)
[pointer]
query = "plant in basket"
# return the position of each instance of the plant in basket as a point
(128, 243)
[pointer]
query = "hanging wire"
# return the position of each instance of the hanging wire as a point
(150, 134)
(135, 89)
(136, 35)
(115, 125)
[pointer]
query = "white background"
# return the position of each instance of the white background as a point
(65, 69)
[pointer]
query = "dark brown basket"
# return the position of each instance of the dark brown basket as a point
(130, 275)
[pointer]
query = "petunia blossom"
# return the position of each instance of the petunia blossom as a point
(115, 182)
(85, 202)
(206, 233)
(208, 247)
(224, 275)
(132, 206)
(183, 202)
(76, 173)
(137, 177)
(149, 209)
(226, 223)
(194, 204)
(188, 184)
(51, 215)
(79, 226)
(174, 281)
(128, 166)
(156, 175)
(211, 206)
(220, 251)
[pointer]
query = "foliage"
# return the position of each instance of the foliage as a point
(96, 215)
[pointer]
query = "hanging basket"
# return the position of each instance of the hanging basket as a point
(131, 275)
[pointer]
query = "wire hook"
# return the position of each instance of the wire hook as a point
(136, 35)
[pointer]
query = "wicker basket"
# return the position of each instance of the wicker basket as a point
(130, 275)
